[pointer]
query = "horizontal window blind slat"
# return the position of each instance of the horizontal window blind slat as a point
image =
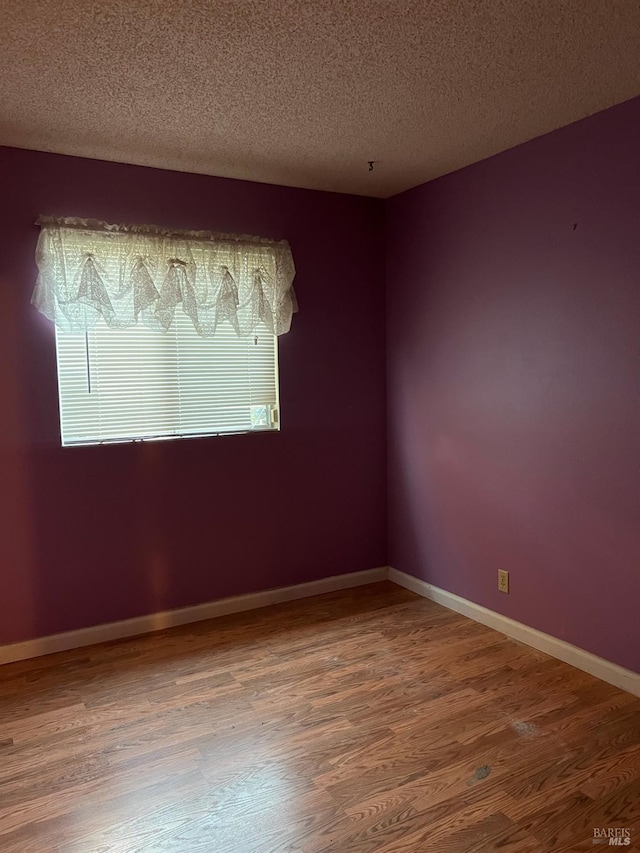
(137, 383)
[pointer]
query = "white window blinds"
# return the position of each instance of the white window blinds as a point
(138, 383)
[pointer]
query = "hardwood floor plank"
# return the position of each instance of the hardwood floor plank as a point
(363, 721)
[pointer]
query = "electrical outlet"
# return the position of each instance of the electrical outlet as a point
(503, 580)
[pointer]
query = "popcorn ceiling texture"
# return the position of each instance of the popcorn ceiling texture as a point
(305, 93)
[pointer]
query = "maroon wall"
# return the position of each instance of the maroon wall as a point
(513, 383)
(513, 299)
(91, 535)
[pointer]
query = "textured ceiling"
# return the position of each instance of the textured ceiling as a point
(304, 93)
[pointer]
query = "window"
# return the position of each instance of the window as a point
(163, 334)
(139, 383)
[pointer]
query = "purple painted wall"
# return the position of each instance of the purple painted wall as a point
(513, 392)
(92, 535)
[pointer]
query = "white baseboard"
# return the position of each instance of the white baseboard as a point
(183, 616)
(594, 665)
(586, 661)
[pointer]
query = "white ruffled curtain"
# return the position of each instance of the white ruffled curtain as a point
(125, 274)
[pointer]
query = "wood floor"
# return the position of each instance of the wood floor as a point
(366, 720)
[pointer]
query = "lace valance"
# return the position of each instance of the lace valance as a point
(124, 274)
